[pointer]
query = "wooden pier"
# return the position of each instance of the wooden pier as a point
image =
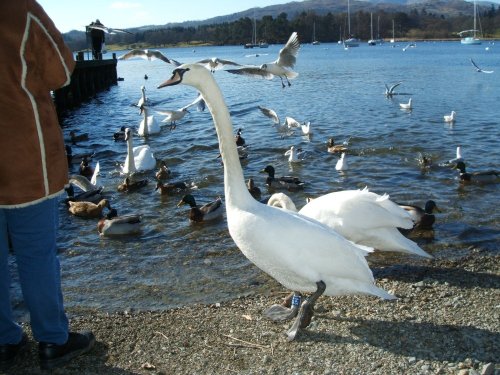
(89, 77)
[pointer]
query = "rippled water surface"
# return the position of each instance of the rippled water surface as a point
(174, 262)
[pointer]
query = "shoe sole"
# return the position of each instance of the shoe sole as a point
(56, 362)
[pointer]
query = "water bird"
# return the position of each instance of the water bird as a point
(253, 189)
(294, 155)
(77, 158)
(171, 187)
(138, 158)
(163, 172)
(149, 124)
(107, 30)
(480, 70)
(173, 116)
(119, 225)
(216, 63)
(286, 59)
(479, 176)
(300, 253)
(209, 211)
(361, 216)
(422, 218)
(75, 138)
(89, 192)
(450, 117)
(454, 161)
(342, 163)
(389, 91)
(88, 210)
(85, 169)
(407, 106)
(240, 141)
(306, 128)
(148, 55)
(287, 126)
(333, 148)
(143, 100)
(128, 185)
(288, 182)
(120, 134)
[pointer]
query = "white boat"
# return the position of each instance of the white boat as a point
(351, 42)
(469, 37)
(392, 40)
(254, 44)
(314, 41)
(374, 42)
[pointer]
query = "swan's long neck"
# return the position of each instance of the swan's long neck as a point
(130, 154)
(235, 190)
(145, 116)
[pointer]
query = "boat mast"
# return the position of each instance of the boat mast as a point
(474, 32)
(348, 20)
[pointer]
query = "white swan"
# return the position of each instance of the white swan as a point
(138, 158)
(407, 106)
(300, 253)
(360, 216)
(341, 163)
(143, 99)
(149, 124)
(450, 117)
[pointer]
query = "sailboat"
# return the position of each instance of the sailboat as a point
(351, 42)
(393, 40)
(314, 41)
(261, 44)
(373, 42)
(469, 36)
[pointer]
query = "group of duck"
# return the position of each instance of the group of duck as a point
(319, 249)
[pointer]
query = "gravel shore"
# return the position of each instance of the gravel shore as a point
(446, 320)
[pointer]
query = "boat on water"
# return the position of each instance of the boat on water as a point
(351, 41)
(314, 41)
(254, 43)
(393, 40)
(469, 37)
(374, 42)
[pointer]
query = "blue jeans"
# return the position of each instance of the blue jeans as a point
(32, 231)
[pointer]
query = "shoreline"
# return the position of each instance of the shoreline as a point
(445, 321)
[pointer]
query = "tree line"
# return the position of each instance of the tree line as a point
(329, 28)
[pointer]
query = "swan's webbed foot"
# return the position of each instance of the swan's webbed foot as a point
(287, 310)
(306, 312)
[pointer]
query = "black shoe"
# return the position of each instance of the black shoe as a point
(53, 355)
(8, 352)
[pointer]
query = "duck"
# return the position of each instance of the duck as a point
(332, 148)
(85, 169)
(77, 158)
(88, 210)
(240, 141)
(422, 218)
(210, 211)
(361, 216)
(90, 191)
(171, 187)
(138, 159)
(163, 172)
(113, 225)
(120, 134)
(75, 138)
(299, 252)
(477, 177)
(253, 189)
(287, 182)
(148, 125)
(342, 163)
(408, 106)
(128, 186)
(450, 117)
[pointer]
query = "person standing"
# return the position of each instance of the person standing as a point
(33, 174)
(97, 37)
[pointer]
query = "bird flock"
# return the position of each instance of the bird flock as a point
(320, 248)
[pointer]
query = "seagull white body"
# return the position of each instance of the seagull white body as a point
(297, 251)
(95, 176)
(341, 163)
(148, 55)
(293, 155)
(279, 68)
(215, 63)
(306, 128)
(172, 116)
(407, 106)
(138, 158)
(149, 124)
(478, 69)
(389, 91)
(450, 117)
(360, 216)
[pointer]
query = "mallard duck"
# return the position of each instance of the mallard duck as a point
(163, 172)
(88, 209)
(90, 192)
(128, 185)
(423, 218)
(333, 148)
(149, 124)
(341, 163)
(120, 134)
(287, 182)
(300, 253)
(240, 141)
(85, 169)
(361, 216)
(77, 158)
(406, 106)
(253, 189)
(75, 138)
(210, 211)
(171, 187)
(119, 225)
(138, 158)
(477, 177)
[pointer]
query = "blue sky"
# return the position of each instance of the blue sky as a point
(75, 14)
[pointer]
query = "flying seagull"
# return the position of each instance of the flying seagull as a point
(286, 59)
(107, 30)
(389, 91)
(215, 63)
(148, 55)
(478, 69)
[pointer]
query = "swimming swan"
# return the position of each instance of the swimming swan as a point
(149, 124)
(138, 158)
(300, 253)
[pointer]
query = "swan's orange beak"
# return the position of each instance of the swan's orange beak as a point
(174, 80)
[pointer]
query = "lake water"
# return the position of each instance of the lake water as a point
(174, 262)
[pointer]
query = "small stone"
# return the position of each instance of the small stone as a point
(425, 368)
(488, 369)
(463, 371)
(412, 360)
